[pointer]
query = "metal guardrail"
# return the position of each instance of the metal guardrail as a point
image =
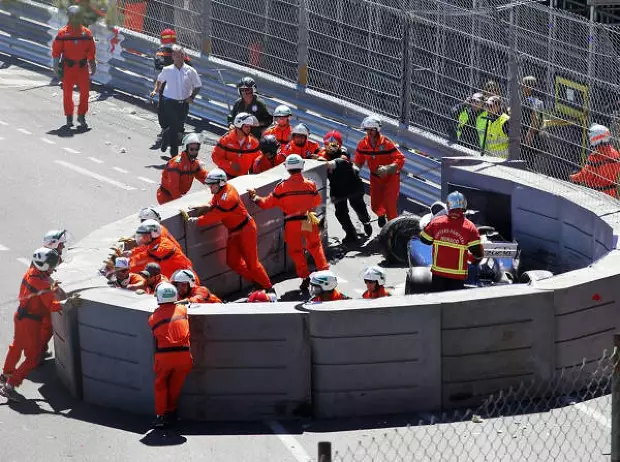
(125, 63)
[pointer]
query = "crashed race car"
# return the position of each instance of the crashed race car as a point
(400, 244)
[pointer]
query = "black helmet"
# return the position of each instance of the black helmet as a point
(246, 82)
(269, 145)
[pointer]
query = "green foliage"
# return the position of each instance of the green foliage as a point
(91, 10)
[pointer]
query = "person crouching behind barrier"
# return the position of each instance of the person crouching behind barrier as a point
(153, 277)
(124, 279)
(185, 282)
(374, 277)
(323, 287)
(173, 358)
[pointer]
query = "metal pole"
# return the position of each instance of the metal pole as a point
(325, 451)
(615, 402)
(405, 111)
(207, 28)
(514, 129)
(302, 45)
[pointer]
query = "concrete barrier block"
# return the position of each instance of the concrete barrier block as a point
(116, 347)
(251, 362)
(224, 283)
(271, 254)
(495, 334)
(67, 348)
(374, 357)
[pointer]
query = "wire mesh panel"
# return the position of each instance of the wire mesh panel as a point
(262, 34)
(152, 16)
(567, 419)
(356, 53)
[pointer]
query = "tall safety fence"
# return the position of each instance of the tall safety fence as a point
(567, 418)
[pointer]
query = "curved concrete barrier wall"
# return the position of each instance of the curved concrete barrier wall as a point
(397, 354)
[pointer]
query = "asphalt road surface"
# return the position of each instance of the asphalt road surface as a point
(53, 178)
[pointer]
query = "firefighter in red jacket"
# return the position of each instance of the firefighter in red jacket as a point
(241, 248)
(323, 287)
(281, 127)
(185, 282)
(301, 144)
(173, 358)
(37, 299)
(385, 162)
(180, 171)
(601, 169)
(297, 197)
(237, 150)
(374, 277)
(454, 238)
(73, 52)
(270, 157)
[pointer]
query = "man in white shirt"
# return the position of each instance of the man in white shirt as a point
(182, 85)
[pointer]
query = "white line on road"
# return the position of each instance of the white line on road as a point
(3, 248)
(146, 180)
(94, 175)
(24, 261)
(3, 123)
(95, 160)
(594, 414)
(45, 140)
(24, 131)
(121, 170)
(289, 441)
(71, 151)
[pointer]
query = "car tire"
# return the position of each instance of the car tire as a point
(395, 236)
(419, 280)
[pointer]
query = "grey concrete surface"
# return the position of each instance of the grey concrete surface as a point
(39, 194)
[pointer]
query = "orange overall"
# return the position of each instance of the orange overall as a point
(309, 150)
(241, 247)
(235, 156)
(173, 358)
(384, 191)
(380, 292)
(600, 171)
(37, 299)
(166, 234)
(162, 251)
(331, 297)
(264, 163)
(201, 294)
(281, 132)
(75, 47)
(297, 196)
(178, 176)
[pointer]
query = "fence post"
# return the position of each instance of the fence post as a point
(615, 402)
(207, 28)
(405, 110)
(302, 45)
(514, 129)
(325, 451)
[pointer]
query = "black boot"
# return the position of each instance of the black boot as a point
(368, 229)
(82, 121)
(305, 284)
(69, 123)
(382, 221)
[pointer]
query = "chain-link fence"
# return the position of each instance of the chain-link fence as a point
(567, 418)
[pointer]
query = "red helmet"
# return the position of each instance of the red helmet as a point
(333, 137)
(259, 296)
(168, 36)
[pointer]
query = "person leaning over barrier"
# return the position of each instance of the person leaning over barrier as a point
(236, 151)
(251, 104)
(153, 277)
(270, 155)
(374, 277)
(173, 358)
(185, 282)
(281, 127)
(124, 279)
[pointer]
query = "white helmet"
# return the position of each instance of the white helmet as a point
(300, 129)
(121, 263)
(166, 293)
(243, 118)
(216, 176)
(184, 275)
(45, 259)
(599, 134)
(282, 111)
(326, 280)
(294, 162)
(191, 138)
(149, 213)
(374, 273)
(371, 122)
(54, 238)
(149, 227)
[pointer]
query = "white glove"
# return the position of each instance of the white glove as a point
(192, 219)
(381, 171)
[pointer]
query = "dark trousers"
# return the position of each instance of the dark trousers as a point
(175, 113)
(160, 108)
(341, 205)
(441, 284)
